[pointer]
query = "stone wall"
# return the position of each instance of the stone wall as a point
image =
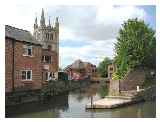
(132, 79)
(130, 82)
(114, 87)
(147, 93)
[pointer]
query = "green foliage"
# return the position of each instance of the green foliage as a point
(150, 80)
(115, 76)
(148, 83)
(136, 47)
(102, 67)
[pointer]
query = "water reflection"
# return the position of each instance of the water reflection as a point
(37, 109)
(73, 105)
(103, 90)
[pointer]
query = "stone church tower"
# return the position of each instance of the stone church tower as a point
(48, 35)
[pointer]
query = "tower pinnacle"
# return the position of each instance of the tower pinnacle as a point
(42, 21)
(57, 23)
(49, 23)
(35, 24)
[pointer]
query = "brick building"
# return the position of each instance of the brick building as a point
(80, 70)
(49, 64)
(90, 69)
(30, 59)
(22, 60)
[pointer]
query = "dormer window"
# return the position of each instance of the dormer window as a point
(27, 50)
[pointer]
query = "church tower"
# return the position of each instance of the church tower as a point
(47, 35)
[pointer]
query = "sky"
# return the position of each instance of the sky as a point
(87, 32)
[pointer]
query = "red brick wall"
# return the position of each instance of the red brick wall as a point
(8, 65)
(53, 66)
(28, 63)
(89, 69)
(22, 63)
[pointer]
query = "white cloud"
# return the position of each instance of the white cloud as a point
(107, 21)
(118, 14)
(95, 22)
(92, 52)
(101, 30)
(98, 25)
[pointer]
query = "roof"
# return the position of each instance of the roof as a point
(78, 64)
(19, 34)
(66, 68)
(88, 63)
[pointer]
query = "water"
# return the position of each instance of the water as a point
(72, 105)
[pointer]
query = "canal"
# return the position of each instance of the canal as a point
(72, 104)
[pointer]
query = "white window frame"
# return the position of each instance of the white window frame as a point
(26, 75)
(44, 59)
(48, 74)
(25, 49)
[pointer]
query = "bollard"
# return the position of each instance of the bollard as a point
(137, 88)
(91, 101)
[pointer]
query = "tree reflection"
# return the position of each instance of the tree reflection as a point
(103, 90)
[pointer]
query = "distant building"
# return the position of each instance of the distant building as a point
(31, 60)
(80, 70)
(90, 69)
(111, 69)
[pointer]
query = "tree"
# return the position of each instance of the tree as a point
(102, 67)
(135, 47)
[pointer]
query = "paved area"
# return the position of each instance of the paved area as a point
(117, 101)
(109, 103)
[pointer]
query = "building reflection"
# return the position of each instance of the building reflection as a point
(50, 108)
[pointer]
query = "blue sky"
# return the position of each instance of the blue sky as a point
(151, 14)
(86, 32)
